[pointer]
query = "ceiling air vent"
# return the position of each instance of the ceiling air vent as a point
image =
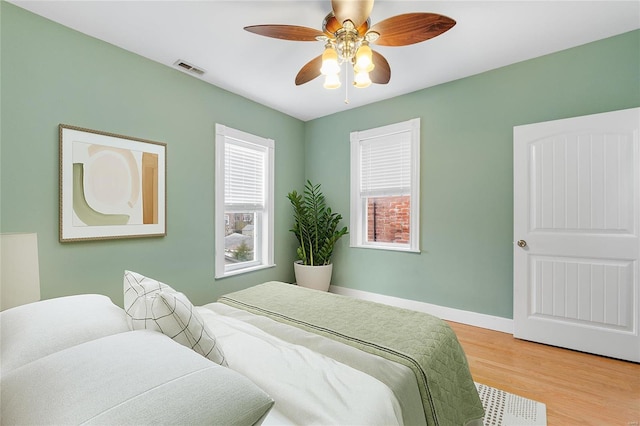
(186, 66)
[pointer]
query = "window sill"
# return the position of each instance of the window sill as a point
(388, 248)
(244, 270)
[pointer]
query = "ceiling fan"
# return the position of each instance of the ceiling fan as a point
(347, 33)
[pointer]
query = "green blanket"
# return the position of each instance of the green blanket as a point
(417, 340)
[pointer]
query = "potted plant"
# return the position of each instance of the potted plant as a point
(316, 228)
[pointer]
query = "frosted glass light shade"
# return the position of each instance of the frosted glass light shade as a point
(362, 80)
(332, 81)
(19, 270)
(364, 59)
(330, 62)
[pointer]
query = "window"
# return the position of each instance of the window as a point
(243, 202)
(385, 205)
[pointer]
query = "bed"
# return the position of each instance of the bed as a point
(272, 354)
(330, 359)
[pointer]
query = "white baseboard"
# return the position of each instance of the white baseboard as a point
(490, 322)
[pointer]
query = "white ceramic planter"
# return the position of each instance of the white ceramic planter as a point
(315, 277)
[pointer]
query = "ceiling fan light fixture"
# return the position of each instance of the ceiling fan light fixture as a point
(332, 81)
(362, 80)
(330, 64)
(347, 33)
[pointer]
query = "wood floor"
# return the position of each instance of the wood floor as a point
(578, 388)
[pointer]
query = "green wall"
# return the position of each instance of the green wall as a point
(50, 75)
(466, 185)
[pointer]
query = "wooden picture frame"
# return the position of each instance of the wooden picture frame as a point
(111, 186)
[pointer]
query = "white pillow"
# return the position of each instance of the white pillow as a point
(153, 305)
(134, 378)
(32, 331)
(136, 288)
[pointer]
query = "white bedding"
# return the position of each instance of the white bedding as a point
(310, 387)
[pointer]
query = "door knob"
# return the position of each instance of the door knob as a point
(522, 243)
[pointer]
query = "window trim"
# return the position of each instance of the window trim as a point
(266, 238)
(358, 217)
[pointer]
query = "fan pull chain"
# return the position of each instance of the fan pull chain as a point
(346, 85)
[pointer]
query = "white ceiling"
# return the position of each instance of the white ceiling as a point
(210, 35)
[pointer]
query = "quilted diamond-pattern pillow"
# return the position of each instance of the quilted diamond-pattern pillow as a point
(153, 305)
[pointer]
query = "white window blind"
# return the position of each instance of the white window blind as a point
(385, 187)
(244, 175)
(244, 192)
(385, 167)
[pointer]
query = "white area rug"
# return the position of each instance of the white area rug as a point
(506, 409)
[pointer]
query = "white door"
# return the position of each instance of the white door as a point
(576, 232)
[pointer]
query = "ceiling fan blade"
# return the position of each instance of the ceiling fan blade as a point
(309, 71)
(357, 11)
(381, 73)
(411, 28)
(285, 32)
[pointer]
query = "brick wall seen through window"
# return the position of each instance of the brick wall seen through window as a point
(388, 219)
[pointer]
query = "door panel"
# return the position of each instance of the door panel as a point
(576, 204)
(583, 291)
(582, 183)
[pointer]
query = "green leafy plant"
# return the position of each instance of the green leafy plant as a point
(315, 225)
(243, 252)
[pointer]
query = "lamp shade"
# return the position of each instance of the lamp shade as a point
(362, 80)
(19, 270)
(332, 81)
(364, 59)
(330, 64)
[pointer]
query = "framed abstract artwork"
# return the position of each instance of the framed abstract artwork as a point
(111, 186)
